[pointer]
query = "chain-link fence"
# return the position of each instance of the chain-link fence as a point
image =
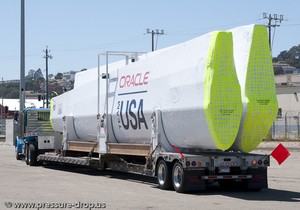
(287, 126)
(2, 126)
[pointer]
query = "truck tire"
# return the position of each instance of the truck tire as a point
(18, 156)
(164, 177)
(32, 156)
(178, 178)
(26, 154)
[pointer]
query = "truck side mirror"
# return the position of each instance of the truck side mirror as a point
(16, 116)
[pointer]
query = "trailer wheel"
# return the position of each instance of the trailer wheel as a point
(178, 178)
(32, 156)
(164, 177)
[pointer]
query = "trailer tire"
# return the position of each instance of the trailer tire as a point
(32, 155)
(178, 178)
(164, 177)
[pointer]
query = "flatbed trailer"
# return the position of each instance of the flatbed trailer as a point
(182, 169)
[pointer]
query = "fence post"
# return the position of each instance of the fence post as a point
(298, 124)
(273, 130)
(285, 125)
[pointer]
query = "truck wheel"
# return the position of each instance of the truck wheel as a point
(18, 157)
(178, 178)
(164, 175)
(32, 156)
(26, 154)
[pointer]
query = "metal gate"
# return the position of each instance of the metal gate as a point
(287, 126)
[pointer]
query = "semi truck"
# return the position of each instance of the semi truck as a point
(177, 114)
(186, 170)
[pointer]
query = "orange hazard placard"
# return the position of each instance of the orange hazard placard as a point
(280, 154)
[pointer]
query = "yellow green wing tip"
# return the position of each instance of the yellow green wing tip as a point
(261, 110)
(222, 95)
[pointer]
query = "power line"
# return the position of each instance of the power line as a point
(293, 24)
(208, 29)
(273, 37)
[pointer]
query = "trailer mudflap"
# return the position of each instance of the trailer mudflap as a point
(259, 179)
(193, 180)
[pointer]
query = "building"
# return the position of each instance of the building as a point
(288, 93)
(14, 104)
(68, 80)
(287, 80)
(287, 124)
(284, 68)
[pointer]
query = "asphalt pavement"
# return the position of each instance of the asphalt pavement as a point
(65, 187)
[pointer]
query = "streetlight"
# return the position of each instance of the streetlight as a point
(22, 72)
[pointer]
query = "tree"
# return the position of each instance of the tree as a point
(31, 73)
(291, 57)
(59, 76)
(278, 70)
(38, 75)
(34, 79)
(10, 90)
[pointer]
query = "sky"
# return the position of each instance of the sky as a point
(76, 31)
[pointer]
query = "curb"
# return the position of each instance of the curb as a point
(271, 145)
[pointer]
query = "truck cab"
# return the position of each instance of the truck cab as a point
(39, 136)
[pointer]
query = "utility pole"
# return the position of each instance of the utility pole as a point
(157, 33)
(22, 72)
(47, 56)
(270, 24)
